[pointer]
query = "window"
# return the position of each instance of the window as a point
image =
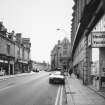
(8, 49)
(64, 52)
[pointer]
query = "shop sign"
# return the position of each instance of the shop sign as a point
(98, 39)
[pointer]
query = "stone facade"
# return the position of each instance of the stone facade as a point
(80, 31)
(14, 54)
(60, 55)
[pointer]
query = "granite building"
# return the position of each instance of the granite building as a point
(87, 34)
(14, 52)
(60, 55)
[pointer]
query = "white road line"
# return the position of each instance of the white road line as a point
(57, 97)
(61, 95)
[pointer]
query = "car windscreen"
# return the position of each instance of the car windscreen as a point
(57, 73)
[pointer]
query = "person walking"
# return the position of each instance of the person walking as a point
(77, 74)
(70, 72)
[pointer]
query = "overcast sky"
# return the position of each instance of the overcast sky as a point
(38, 20)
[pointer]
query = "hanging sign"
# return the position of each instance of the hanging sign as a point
(98, 39)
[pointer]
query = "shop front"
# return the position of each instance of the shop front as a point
(95, 74)
(7, 64)
(102, 68)
(98, 60)
(4, 64)
(23, 65)
(11, 65)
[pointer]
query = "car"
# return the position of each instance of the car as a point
(57, 77)
(60, 69)
(35, 70)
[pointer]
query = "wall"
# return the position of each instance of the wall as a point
(80, 52)
(26, 54)
(3, 46)
(16, 51)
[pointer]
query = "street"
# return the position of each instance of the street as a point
(32, 89)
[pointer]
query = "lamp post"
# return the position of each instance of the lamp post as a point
(61, 29)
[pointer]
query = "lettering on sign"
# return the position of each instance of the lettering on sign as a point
(98, 39)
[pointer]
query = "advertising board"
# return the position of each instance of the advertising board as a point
(98, 39)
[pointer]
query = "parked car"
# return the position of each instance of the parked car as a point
(35, 70)
(58, 69)
(56, 77)
(61, 70)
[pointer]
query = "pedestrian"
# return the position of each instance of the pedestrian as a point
(77, 73)
(70, 72)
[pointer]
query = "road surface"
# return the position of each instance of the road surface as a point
(32, 89)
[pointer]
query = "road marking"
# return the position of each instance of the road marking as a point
(61, 95)
(57, 97)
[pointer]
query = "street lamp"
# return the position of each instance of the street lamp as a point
(60, 29)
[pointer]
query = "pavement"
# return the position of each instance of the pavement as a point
(79, 94)
(76, 92)
(15, 75)
(11, 76)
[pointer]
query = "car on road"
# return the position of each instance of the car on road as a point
(35, 70)
(57, 77)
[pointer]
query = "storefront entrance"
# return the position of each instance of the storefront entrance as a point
(98, 68)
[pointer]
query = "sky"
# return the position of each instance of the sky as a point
(38, 20)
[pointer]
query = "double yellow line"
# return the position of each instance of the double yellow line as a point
(59, 96)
